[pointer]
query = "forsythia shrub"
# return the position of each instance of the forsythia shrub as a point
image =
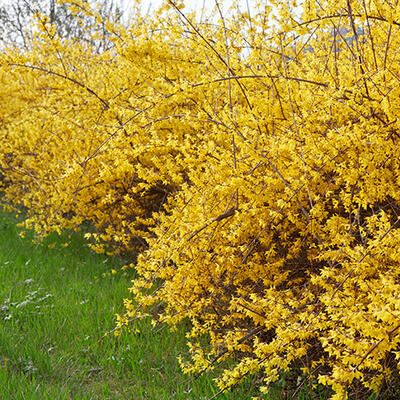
(252, 160)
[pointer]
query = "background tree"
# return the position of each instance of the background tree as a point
(16, 20)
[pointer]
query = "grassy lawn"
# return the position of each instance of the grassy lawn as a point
(56, 303)
(55, 306)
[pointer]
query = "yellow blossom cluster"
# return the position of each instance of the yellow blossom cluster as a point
(251, 160)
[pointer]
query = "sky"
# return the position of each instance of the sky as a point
(195, 5)
(190, 5)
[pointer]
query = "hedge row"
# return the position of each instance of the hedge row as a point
(252, 163)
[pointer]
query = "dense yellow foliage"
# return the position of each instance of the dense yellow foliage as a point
(253, 161)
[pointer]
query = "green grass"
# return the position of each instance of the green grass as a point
(56, 303)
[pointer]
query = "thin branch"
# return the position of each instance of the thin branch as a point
(47, 71)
